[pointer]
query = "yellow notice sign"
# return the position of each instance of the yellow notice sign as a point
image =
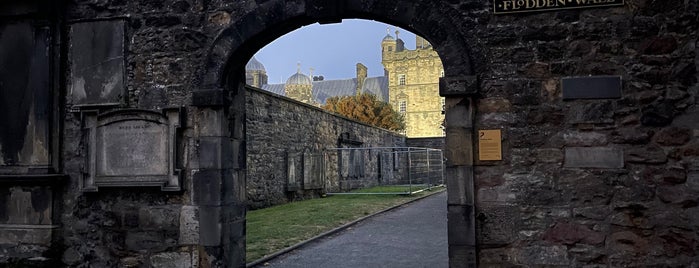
(489, 145)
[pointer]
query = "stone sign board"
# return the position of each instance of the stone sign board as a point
(518, 6)
(131, 148)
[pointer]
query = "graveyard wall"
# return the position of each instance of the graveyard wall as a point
(278, 127)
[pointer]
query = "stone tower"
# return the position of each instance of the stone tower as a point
(255, 73)
(300, 87)
(413, 85)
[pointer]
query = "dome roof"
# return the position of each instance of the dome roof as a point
(299, 79)
(388, 37)
(254, 65)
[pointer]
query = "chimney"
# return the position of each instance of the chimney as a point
(361, 77)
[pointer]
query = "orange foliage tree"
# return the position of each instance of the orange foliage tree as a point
(367, 109)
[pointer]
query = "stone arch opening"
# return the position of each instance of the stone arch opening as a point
(222, 85)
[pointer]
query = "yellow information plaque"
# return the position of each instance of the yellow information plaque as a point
(489, 145)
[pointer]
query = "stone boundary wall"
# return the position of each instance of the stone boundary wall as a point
(278, 126)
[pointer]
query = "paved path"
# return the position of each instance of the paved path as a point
(411, 236)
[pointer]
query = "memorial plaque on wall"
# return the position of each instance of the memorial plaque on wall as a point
(96, 78)
(132, 148)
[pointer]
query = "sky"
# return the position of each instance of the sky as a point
(332, 50)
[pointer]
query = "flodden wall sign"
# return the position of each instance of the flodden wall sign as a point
(516, 6)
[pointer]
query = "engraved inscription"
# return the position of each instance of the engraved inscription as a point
(133, 148)
(516, 6)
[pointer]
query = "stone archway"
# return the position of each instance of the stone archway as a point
(220, 102)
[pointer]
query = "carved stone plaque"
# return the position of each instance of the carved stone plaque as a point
(132, 148)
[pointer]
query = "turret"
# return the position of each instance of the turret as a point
(388, 45)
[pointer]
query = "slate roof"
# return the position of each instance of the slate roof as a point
(322, 90)
(254, 65)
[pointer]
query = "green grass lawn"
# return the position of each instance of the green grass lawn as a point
(274, 228)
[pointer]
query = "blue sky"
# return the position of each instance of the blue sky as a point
(332, 50)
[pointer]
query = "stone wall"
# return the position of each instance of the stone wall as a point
(602, 182)
(608, 182)
(279, 128)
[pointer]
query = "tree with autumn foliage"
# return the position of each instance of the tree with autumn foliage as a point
(366, 108)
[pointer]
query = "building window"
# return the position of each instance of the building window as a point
(441, 73)
(443, 105)
(402, 107)
(401, 79)
(390, 48)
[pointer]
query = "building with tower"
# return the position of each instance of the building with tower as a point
(255, 73)
(413, 85)
(410, 84)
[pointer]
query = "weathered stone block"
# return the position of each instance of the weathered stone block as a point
(158, 217)
(693, 180)
(209, 98)
(462, 256)
(627, 242)
(646, 155)
(598, 112)
(172, 260)
(459, 146)
(570, 234)
(631, 136)
(584, 139)
(461, 221)
(494, 105)
(549, 155)
(459, 112)
(658, 114)
(459, 182)
(189, 225)
(496, 257)
(673, 136)
(207, 187)
(458, 86)
(210, 225)
(594, 157)
(212, 152)
(544, 255)
(687, 120)
(497, 224)
(19, 235)
(234, 186)
(677, 194)
(234, 241)
(149, 240)
(211, 122)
